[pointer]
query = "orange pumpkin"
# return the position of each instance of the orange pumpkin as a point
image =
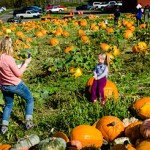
(20, 34)
(111, 127)
(87, 135)
(85, 39)
(54, 41)
(81, 32)
(102, 25)
(110, 30)
(104, 46)
(83, 23)
(128, 34)
(68, 49)
(141, 107)
(39, 34)
(144, 145)
(95, 28)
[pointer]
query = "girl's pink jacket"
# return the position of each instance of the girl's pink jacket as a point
(9, 72)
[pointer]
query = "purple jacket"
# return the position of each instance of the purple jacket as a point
(139, 13)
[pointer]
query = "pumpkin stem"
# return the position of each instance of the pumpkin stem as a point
(112, 124)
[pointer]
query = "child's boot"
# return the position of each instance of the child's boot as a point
(29, 124)
(4, 129)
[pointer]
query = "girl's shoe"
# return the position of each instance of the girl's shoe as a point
(4, 129)
(103, 102)
(94, 101)
(29, 125)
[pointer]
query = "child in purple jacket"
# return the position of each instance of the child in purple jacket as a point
(100, 77)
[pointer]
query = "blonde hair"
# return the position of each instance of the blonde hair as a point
(105, 57)
(6, 46)
(102, 55)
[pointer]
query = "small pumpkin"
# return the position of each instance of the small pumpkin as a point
(87, 135)
(104, 46)
(85, 39)
(54, 41)
(81, 32)
(52, 143)
(128, 34)
(145, 129)
(111, 127)
(77, 73)
(39, 34)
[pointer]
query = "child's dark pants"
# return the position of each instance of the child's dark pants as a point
(98, 89)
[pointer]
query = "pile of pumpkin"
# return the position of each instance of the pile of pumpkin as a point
(128, 134)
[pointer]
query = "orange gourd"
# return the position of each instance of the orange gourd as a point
(87, 135)
(111, 127)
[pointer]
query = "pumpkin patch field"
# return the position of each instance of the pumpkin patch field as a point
(64, 53)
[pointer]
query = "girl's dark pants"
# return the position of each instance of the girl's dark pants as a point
(98, 89)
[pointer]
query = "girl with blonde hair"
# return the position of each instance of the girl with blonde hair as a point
(100, 77)
(11, 84)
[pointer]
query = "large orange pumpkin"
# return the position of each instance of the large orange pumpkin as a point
(87, 135)
(110, 90)
(111, 127)
(142, 107)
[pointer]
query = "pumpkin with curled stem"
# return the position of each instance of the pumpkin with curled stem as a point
(111, 127)
(52, 143)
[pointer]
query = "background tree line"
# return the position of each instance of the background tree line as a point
(41, 3)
